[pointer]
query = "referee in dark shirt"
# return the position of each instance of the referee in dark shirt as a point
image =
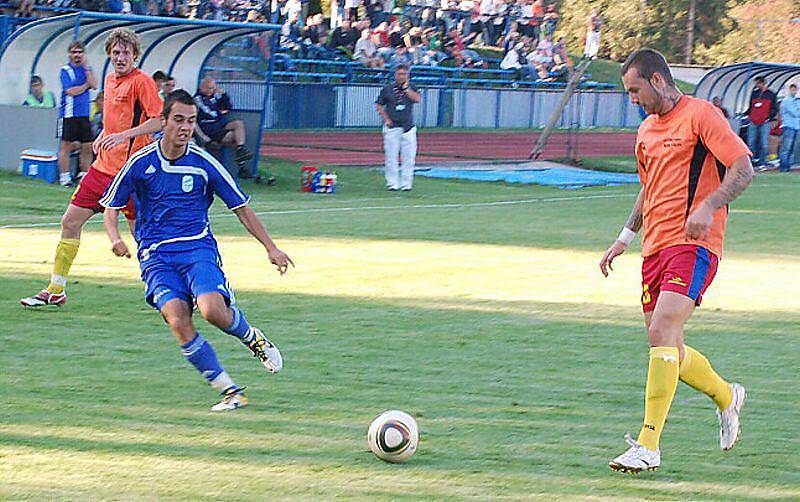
(394, 104)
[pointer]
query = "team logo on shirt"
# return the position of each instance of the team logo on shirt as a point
(187, 183)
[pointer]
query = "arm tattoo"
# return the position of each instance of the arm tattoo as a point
(635, 219)
(731, 187)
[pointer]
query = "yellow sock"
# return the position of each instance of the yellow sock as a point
(662, 380)
(697, 373)
(66, 251)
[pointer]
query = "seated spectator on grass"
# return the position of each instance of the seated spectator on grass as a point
(38, 97)
(213, 124)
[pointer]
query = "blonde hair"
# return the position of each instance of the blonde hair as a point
(124, 36)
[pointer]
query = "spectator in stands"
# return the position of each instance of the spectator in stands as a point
(562, 64)
(762, 110)
(394, 104)
(540, 61)
(366, 52)
(718, 103)
(213, 107)
(77, 78)
(344, 37)
(526, 26)
(551, 18)
(25, 9)
(592, 46)
(38, 97)
(790, 127)
(337, 14)
(351, 9)
(401, 57)
(290, 35)
(511, 61)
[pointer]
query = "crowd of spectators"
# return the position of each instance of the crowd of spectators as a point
(379, 33)
(428, 32)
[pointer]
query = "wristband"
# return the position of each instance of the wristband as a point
(626, 236)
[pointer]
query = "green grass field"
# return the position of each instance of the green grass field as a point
(476, 307)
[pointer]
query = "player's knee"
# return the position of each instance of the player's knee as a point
(70, 224)
(215, 312)
(662, 333)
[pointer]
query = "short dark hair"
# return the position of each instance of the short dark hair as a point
(648, 62)
(760, 80)
(170, 78)
(159, 76)
(401, 66)
(177, 96)
(76, 44)
(36, 79)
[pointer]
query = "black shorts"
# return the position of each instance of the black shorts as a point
(76, 129)
(216, 132)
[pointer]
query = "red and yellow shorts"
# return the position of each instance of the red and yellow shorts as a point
(91, 190)
(685, 269)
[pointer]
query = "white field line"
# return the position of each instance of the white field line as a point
(346, 209)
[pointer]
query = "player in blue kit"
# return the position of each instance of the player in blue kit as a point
(173, 183)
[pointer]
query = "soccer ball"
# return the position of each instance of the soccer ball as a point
(393, 436)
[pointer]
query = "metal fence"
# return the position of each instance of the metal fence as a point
(310, 105)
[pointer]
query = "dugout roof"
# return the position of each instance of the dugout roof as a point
(734, 83)
(179, 47)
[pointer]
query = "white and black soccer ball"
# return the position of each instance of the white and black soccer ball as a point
(393, 436)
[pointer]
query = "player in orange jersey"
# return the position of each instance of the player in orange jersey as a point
(691, 166)
(131, 113)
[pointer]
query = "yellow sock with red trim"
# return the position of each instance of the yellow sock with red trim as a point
(697, 373)
(662, 380)
(66, 251)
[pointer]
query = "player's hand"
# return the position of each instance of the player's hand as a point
(699, 222)
(280, 259)
(96, 143)
(120, 249)
(388, 123)
(110, 141)
(615, 250)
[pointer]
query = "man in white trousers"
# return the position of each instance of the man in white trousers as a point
(395, 103)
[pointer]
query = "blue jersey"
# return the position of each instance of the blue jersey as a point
(74, 106)
(172, 197)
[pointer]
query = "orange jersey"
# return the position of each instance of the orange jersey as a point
(128, 102)
(683, 157)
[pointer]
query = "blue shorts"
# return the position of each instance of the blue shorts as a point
(185, 275)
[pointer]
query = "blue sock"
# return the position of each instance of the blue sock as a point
(203, 357)
(239, 327)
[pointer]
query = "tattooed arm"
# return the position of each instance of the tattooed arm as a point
(633, 225)
(737, 179)
(634, 222)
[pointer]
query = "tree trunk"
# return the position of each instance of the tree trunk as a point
(687, 58)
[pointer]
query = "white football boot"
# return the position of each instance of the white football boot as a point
(729, 428)
(636, 459)
(265, 351)
(231, 400)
